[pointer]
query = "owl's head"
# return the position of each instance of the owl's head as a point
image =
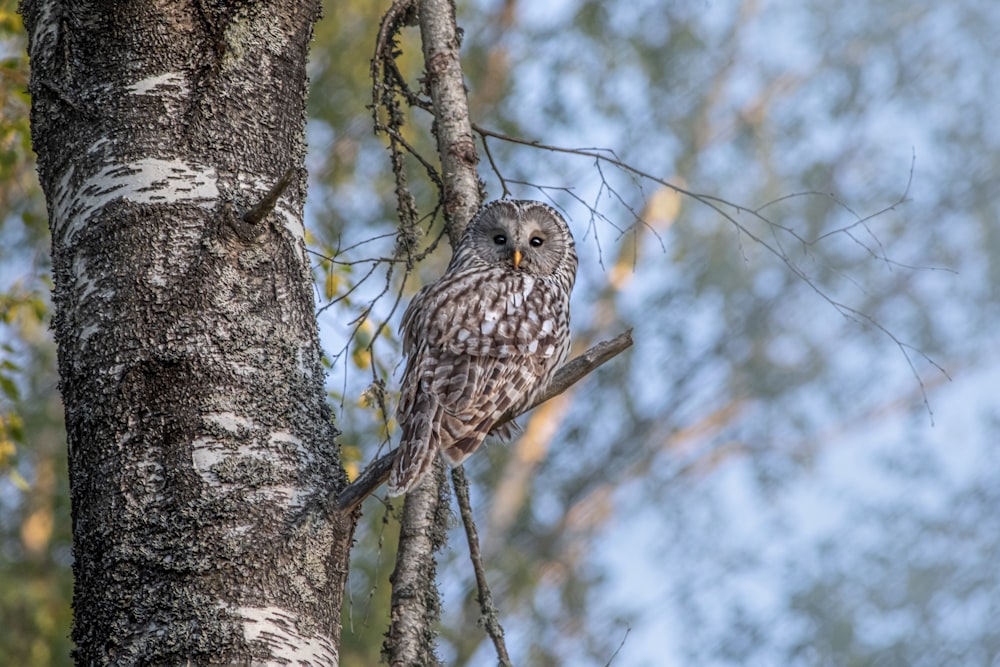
(523, 235)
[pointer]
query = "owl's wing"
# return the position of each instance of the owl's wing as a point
(449, 402)
(479, 391)
(471, 314)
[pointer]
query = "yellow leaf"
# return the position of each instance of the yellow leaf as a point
(332, 283)
(361, 357)
(19, 481)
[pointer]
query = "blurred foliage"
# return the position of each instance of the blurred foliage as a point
(763, 337)
(35, 550)
(816, 303)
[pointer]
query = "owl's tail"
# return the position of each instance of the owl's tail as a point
(417, 448)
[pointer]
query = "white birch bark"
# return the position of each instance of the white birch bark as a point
(188, 352)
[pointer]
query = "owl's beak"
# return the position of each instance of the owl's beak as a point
(517, 259)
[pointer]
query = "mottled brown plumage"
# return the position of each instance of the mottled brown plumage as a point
(484, 338)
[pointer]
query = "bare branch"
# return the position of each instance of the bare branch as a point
(505, 192)
(628, 629)
(415, 603)
(456, 144)
(490, 615)
(730, 211)
(270, 200)
(568, 375)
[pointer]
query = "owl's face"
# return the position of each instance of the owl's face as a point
(523, 235)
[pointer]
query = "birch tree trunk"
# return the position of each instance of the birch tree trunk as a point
(189, 360)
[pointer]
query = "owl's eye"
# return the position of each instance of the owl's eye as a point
(499, 239)
(536, 241)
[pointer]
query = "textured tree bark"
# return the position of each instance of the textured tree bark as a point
(452, 126)
(416, 604)
(188, 351)
(415, 601)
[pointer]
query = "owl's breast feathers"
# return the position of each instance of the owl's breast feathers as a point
(493, 312)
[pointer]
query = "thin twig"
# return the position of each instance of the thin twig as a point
(628, 629)
(505, 192)
(568, 375)
(490, 615)
(718, 204)
(395, 18)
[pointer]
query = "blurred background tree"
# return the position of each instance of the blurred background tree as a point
(35, 547)
(759, 480)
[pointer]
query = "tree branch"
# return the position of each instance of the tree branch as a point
(720, 206)
(569, 374)
(270, 200)
(416, 607)
(490, 615)
(456, 143)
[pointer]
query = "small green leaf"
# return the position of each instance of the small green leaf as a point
(9, 388)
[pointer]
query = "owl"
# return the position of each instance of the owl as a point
(486, 337)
